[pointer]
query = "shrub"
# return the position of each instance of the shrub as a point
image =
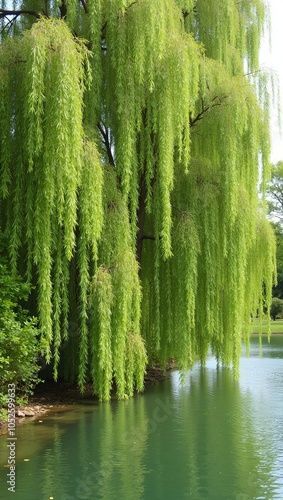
(19, 346)
(276, 307)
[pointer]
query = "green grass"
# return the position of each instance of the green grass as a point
(276, 326)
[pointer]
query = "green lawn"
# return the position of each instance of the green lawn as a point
(276, 326)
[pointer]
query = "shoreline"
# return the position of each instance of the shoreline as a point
(52, 397)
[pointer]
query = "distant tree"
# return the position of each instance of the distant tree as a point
(275, 209)
(275, 192)
(278, 288)
(276, 307)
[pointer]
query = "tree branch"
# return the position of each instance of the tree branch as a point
(213, 104)
(83, 2)
(131, 4)
(184, 214)
(105, 137)
(148, 237)
(186, 13)
(16, 13)
(278, 198)
(63, 9)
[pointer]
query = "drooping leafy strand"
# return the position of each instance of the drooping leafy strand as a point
(264, 241)
(117, 354)
(101, 303)
(231, 31)
(94, 35)
(117, 256)
(47, 168)
(5, 123)
(89, 231)
(57, 302)
(83, 265)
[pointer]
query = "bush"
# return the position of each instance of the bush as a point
(19, 346)
(276, 307)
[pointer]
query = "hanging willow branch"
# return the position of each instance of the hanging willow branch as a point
(146, 128)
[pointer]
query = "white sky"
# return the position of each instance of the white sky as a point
(273, 60)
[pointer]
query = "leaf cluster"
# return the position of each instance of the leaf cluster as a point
(19, 344)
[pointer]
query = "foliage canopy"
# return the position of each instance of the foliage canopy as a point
(130, 138)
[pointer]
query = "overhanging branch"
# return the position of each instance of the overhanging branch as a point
(16, 13)
(216, 101)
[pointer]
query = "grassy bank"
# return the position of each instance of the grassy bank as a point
(276, 326)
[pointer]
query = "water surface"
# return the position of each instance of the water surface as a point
(213, 438)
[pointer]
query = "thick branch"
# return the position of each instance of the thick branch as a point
(106, 141)
(63, 9)
(4, 13)
(83, 2)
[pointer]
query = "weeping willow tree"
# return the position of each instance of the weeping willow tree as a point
(133, 136)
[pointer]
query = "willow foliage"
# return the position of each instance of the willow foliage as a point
(129, 164)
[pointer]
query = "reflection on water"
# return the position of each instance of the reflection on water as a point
(213, 438)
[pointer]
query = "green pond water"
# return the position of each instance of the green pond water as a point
(213, 438)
